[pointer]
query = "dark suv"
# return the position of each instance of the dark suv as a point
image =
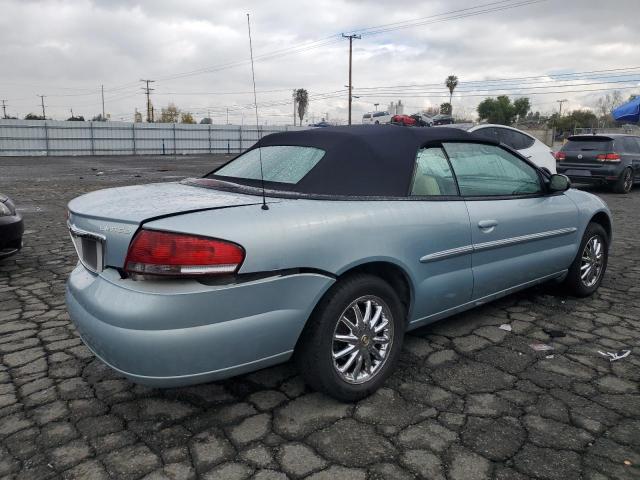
(601, 159)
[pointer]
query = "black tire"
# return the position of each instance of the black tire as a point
(314, 351)
(574, 283)
(624, 184)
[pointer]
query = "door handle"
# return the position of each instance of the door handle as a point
(486, 224)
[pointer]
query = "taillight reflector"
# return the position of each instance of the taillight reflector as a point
(561, 156)
(163, 253)
(608, 157)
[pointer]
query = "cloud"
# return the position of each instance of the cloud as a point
(66, 49)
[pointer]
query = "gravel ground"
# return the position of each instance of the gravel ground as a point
(468, 401)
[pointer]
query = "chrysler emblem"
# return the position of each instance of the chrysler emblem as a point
(579, 156)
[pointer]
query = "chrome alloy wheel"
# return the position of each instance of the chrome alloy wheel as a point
(592, 261)
(628, 180)
(362, 339)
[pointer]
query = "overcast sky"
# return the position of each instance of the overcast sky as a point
(197, 51)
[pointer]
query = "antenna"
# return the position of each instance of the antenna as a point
(255, 102)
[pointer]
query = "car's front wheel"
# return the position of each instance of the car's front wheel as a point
(353, 339)
(586, 271)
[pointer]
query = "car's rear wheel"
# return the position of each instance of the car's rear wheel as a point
(352, 341)
(586, 271)
(624, 184)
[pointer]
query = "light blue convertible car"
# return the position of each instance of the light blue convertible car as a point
(363, 233)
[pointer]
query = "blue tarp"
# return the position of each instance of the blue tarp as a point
(629, 112)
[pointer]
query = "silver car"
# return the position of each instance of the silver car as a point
(325, 245)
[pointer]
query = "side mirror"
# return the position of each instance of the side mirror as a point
(559, 183)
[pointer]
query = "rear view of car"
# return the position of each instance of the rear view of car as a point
(11, 228)
(612, 160)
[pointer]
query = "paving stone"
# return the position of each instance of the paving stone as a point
(351, 443)
(91, 469)
(549, 433)
(298, 460)
(131, 462)
(428, 434)
(339, 472)
(267, 399)
(495, 439)
(229, 471)
(423, 463)
(258, 456)
(308, 413)
(386, 407)
(209, 449)
(69, 454)
(466, 465)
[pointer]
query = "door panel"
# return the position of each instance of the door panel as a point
(519, 240)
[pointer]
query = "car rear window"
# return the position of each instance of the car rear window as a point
(586, 145)
(282, 164)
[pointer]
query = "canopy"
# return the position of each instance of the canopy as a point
(629, 112)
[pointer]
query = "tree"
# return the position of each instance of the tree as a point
(608, 102)
(206, 121)
(431, 111)
(497, 110)
(302, 100)
(573, 120)
(451, 83)
(33, 116)
(521, 107)
(445, 108)
(76, 118)
(171, 114)
(99, 118)
(187, 117)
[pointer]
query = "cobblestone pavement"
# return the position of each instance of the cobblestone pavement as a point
(468, 401)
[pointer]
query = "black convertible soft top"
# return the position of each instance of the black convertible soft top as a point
(361, 160)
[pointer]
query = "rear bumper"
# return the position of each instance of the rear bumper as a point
(11, 230)
(167, 334)
(594, 174)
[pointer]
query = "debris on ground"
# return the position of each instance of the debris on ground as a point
(541, 347)
(505, 326)
(613, 356)
(549, 357)
(554, 333)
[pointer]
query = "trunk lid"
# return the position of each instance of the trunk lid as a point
(112, 216)
(583, 150)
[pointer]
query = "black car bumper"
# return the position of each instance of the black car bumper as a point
(11, 230)
(593, 174)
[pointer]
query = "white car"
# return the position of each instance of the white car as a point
(530, 147)
(376, 117)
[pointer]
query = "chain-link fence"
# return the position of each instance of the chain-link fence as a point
(50, 137)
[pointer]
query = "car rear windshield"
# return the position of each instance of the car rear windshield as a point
(586, 145)
(282, 164)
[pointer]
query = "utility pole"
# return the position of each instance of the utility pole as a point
(561, 102)
(148, 92)
(4, 109)
(227, 116)
(102, 92)
(44, 117)
(350, 37)
(375, 105)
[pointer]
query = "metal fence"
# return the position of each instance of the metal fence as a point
(50, 137)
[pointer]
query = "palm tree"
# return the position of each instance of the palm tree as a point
(451, 83)
(302, 100)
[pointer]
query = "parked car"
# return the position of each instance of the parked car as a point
(376, 117)
(182, 283)
(612, 160)
(11, 228)
(321, 124)
(527, 145)
(443, 119)
(422, 120)
(404, 120)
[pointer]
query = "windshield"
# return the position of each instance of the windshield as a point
(585, 145)
(282, 164)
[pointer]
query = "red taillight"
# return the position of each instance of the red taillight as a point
(608, 157)
(560, 156)
(163, 253)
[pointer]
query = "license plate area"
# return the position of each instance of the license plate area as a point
(89, 247)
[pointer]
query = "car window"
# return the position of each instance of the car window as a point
(516, 140)
(490, 133)
(433, 174)
(366, 115)
(284, 164)
(588, 145)
(630, 145)
(487, 170)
